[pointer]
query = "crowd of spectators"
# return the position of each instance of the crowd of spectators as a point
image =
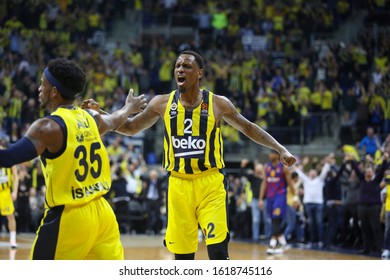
(340, 204)
(290, 74)
(291, 78)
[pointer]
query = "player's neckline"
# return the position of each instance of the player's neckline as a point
(69, 107)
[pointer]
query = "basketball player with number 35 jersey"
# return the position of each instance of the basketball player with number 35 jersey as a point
(78, 222)
(77, 177)
(193, 157)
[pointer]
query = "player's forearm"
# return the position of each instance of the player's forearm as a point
(118, 127)
(125, 128)
(118, 118)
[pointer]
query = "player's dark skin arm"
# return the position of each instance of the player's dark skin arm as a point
(223, 108)
(153, 111)
(133, 104)
(47, 134)
(145, 119)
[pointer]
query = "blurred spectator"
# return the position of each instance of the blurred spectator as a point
(118, 184)
(386, 121)
(386, 240)
(370, 204)
(370, 143)
(242, 218)
(37, 206)
(9, 182)
(351, 232)
(297, 204)
(313, 200)
(347, 128)
(334, 207)
(118, 197)
(23, 208)
(219, 22)
(231, 202)
(152, 195)
(115, 149)
(134, 184)
(255, 177)
(30, 111)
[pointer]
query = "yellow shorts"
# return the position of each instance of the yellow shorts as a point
(6, 203)
(88, 232)
(194, 202)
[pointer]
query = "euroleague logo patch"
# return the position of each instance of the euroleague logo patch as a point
(204, 109)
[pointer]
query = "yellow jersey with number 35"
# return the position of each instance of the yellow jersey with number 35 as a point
(80, 171)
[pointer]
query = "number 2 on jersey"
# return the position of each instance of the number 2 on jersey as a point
(209, 233)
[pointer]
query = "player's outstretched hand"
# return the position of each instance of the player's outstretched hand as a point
(136, 103)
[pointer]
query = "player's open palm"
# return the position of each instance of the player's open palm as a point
(135, 104)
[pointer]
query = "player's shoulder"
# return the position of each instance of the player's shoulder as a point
(159, 100)
(161, 97)
(219, 98)
(44, 128)
(45, 124)
(158, 104)
(223, 104)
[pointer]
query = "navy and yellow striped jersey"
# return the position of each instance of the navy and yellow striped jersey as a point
(6, 180)
(192, 140)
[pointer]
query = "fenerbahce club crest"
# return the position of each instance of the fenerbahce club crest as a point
(173, 110)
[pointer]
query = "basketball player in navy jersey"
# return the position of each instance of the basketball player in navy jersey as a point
(193, 157)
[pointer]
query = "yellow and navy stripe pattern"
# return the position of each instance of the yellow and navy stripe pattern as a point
(5, 178)
(192, 139)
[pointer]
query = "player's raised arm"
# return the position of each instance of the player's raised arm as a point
(108, 122)
(147, 117)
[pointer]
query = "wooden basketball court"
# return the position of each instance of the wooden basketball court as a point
(146, 247)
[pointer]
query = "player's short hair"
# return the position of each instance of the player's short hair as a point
(198, 57)
(67, 76)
